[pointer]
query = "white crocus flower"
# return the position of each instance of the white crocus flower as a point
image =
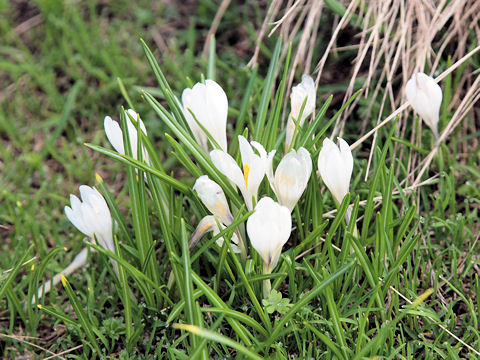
(269, 228)
(304, 90)
(209, 105)
(91, 216)
(114, 134)
(254, 168)
(209, 223)
(335, 165)
(291, 176)
(213, 198)
(425, 96)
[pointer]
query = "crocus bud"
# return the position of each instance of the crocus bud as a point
(114, 134)
(213, 198)
(291, 177)
(269, 228)
(254, 168)
(209, 223)
(91, 216)
(209, 105)
(304, 90)
(335, 165)
(425, 96)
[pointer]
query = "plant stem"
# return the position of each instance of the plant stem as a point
(267, 286)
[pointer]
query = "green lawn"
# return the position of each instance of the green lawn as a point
(400, 280)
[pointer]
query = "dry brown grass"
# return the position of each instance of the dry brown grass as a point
(393, 39)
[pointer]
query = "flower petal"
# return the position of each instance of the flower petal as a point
(114, 134)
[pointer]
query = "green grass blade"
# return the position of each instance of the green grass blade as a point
(214, 336)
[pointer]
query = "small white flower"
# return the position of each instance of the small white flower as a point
(209, 223)
(91, 216)
(304, 90)
(335, 165)
(291, 176)
(425, 96)
(114, 134)
(209, 103)
(254, 168)
(213, 198)
(269, 228)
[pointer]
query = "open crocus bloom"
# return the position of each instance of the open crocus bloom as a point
(425, 96)
(269, 228)
(114, 134)
(213, 198)
(254, 168)
(304, 90)
(91, 216)
(335, 165)
(291, 177)
(209, 105)
(209, 223)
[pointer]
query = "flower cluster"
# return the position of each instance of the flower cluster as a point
(269, 226)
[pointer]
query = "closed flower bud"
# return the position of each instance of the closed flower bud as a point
(335, 164)
(213, 198)
(269, 228)
(114, 134)
(291, 176)
(304, 90)
(425, 96)
(206, 104)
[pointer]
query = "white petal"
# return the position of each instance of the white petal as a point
(191, 105)
(270, 174)
(228, 167)
(269, 228)
(425, 96)
(289, 181)
(213, 198)
(91, 216)
(218, 103)
(210, 223)
(114, 134)
(254, 166)
(77, 221)
(335, 166)
(246, 151)
(208, 102)
(306, 160)
(304, 90)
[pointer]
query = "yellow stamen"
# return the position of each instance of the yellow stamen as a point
(246, 171)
